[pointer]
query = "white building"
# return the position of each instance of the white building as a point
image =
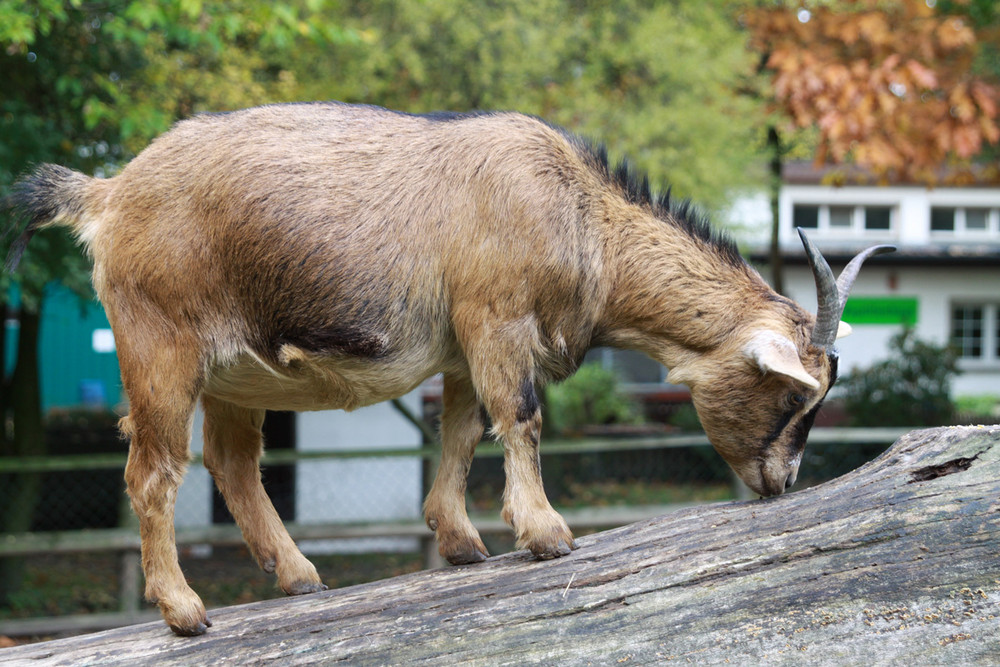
(944, 279)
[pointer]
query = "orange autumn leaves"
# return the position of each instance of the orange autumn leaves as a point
(889, 85)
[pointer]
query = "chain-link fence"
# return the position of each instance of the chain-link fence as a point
(356, 500)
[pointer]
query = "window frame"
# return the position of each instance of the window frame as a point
(858, 219)
(960, 229)
(989, 345)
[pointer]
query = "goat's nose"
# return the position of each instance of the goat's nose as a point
(790, 480)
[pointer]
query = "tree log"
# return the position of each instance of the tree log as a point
(897, 562)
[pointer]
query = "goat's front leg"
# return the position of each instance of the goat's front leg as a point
(444, 510)
(500, 357)
(526, 509)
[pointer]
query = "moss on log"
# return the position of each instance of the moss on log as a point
(895, 563)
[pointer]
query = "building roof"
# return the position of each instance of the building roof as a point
(808, 173)
(987, 255)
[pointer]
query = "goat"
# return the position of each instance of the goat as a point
(324, 255)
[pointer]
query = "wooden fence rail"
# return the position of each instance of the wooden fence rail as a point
(552, 447)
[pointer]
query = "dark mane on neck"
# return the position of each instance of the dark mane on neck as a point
(682, 214)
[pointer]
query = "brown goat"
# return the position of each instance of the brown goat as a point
(315, 256)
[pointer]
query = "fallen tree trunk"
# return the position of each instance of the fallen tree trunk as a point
(897, 562)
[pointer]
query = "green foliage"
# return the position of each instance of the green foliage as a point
(657, 82)
(686, 418)
(591, 396)
(910, 388)
(87, 85)
(632, 492)
(981, 407)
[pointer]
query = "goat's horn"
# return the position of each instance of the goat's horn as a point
(831, 295)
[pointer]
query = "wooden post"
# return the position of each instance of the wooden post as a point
(428, 543)
(130, 592)
(740, 490)
(130, 573)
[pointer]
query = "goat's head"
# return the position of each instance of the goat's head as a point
(758, 395)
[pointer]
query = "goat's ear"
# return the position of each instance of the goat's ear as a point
(774, 353)
(844, 329)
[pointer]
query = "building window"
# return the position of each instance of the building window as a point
(878, 218)
(967, 331)
(975, 331)
(976, 219)
(841, 217)
(843, 220)
(942, 219)
(806, 217)
(970, 221)
(996, 334)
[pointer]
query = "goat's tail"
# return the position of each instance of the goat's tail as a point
(52, 195)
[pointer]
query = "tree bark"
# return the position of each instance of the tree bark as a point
(895, 563)
(3, 374)
(774, 186)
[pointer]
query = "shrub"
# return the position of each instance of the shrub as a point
(593, 395)
(978, 408)
(910, 388)
(686, 418)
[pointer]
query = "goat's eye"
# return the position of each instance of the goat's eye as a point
(796, 399)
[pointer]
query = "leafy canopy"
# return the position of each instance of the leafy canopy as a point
(87, 85)
(657, 82)
(897, 86)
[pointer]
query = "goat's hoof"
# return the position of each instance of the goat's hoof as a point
(305, 587)
(548, 552)
(467, 557)
(183, 612)
(459, 548)
(545, 534)
(192, 630)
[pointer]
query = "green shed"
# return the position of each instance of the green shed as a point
(77, 360)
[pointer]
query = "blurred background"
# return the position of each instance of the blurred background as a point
(862, 121)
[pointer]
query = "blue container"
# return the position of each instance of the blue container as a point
(92, 394)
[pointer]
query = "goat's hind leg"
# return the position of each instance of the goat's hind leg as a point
(444, 510)
(161, 387)
(233, 446)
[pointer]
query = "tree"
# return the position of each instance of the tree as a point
(895, 563)
(38, 102)
(656, 82)
(893, 87)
